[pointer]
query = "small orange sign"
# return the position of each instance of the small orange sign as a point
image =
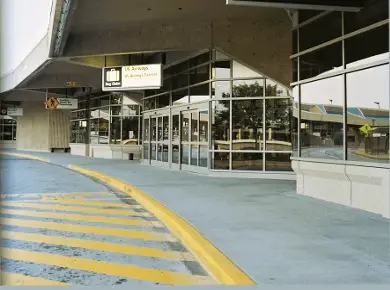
(52, 103)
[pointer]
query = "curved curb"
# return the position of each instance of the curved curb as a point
(26, 156)
(213, 260)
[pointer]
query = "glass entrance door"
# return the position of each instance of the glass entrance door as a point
(159, 143)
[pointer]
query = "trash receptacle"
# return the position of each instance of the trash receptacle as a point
(131, 156)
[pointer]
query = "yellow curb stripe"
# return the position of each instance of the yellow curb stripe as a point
(122, 270)
(56, 194)
(376, 157)
(97, 245)
(26, 156)
(83, 218)
(92, 203)
(14, 279)
(212, 259)
(114, 232)
(77, 209)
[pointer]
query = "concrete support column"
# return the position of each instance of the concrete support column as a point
(42, 130)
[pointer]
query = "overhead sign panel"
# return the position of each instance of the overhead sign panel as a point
(334, 5)
(128, 78)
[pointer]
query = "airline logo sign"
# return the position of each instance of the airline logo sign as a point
(136, 77)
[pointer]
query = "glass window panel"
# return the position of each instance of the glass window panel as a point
(221, 89)
(185, 154)
(165, 153)
(278, 125)
(221, 125)
(321, 61)
(175, 128)
(153, 151)
(105, 101)
(159, 152)
(7, 132)
(322, 119)
(185, 127)
(321, 30)
(160, 129)
(220, 161)
(146, 130)
(278, 162)
(153, 129)
(368, 118)
(82, 105)
(199, 75)
(377, 50)
(295, 41)
(14, 129)
(221, 70)
(203, 126)
(180, 81)
(220, 56)
(241, 71)
(104, 112)
(115, 137)
(180, 97)
(203, 153)
(116, 99)
(295, 69)
(175, 154)
(103, 131)
(307, 14)
(247, 161)
(248, 88)
(162, 101)
(295, 124)
(374, 11)
(275, 90)
(146, 151)
(200, 59)
(95, 102)
(130, 130)
(94, 134)
(199, 93)
(166, 128)
(194, 155)
(150, 104)
(194, 127)
(116, 110)
(95, 113)
(247, 124)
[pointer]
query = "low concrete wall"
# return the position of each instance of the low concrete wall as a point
(115, 151)
(79, 149)
(362, 186)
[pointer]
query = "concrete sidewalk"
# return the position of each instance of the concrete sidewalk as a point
(263, 226)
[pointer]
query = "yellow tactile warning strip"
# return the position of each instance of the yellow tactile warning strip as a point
(214, 261)
(28, 218)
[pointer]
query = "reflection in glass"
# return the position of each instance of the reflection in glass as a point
(322, 138)
(194, 127)
(185, 127)
(115, 137)
(247, 124)
(146, 130)
(160, 129)
(247, 161)
(180, 97)
(146, 151)
(278, 162)
(203, 153)
(116, 110)
(116, 99)
(175, 128)
(200, 74)
(153, 149)
(273, 89)
(221, 89)
(194, 155)
(175, 154)
(103, 131)
(180, 81)
(166, 128)
(220, 160)
(94, 133)
(221, 125)
(153, 129)
(162, 101)
(203, 126)
(278, 125)
(222, 70)
(368, 118)
(165, 153)
(159, 152)
(185, 154)
(130, 130)
(199, 93)
(248, 88)
(241, 71)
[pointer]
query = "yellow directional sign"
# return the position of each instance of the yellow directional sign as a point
(52, 103)
(365, 128)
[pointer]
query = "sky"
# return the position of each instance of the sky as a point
(23, 24)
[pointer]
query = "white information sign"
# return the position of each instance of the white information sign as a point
(67, 103)
(15, 112)
(135, 77)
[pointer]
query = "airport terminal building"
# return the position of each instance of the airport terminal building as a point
(284, 90)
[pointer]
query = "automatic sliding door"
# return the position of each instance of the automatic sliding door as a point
(203, 138)
(175, 139)
(185, 138)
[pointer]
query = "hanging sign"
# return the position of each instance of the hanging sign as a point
(128, 78)
(61, 103)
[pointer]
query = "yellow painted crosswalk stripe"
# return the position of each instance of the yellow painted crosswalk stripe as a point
(14, 279)
(115, 232)
(93, 203)
(97, 245)
(128, 271)
(84, 218)
(77, 209)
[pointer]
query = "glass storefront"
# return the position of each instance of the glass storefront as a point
(341, 88)
(113, 118)
(215, 113)
(8, 124)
